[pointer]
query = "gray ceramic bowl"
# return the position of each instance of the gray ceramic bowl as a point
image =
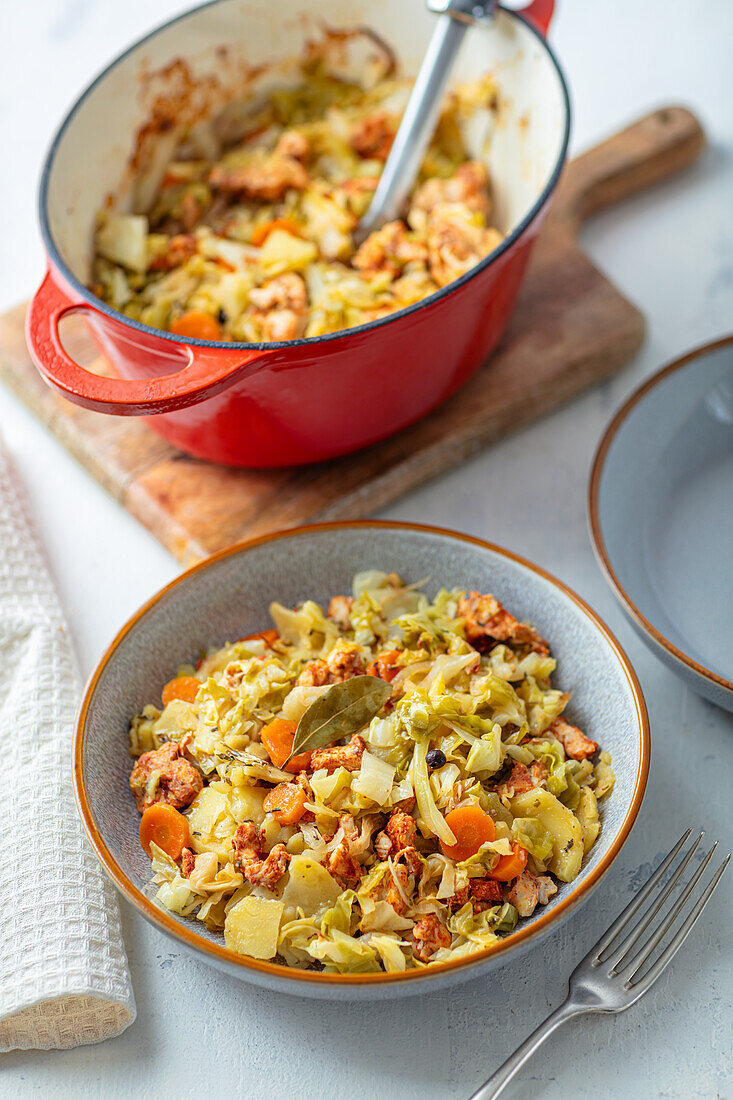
(228, 596)
(661, 516)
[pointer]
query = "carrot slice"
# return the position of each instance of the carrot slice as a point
(286, 802)
(385, 666)
(269, 637)
(509, 867)
(471, 828)
(277, 737)
(196, 325)
(164, 826)
(184, 688)
(261, 232)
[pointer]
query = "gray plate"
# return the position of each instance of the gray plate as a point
(228, 596)
(661, 515)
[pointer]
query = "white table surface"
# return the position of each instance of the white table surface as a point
(672, 252)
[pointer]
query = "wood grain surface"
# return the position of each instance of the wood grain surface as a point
(571, 328)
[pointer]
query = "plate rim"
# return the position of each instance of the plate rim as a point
(594, 520)
(217, 953)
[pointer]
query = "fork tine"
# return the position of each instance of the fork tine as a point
(674, 945)
(636, 902)
(633, 967)
(638, 929)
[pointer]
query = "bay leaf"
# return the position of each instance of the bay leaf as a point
(341, 711)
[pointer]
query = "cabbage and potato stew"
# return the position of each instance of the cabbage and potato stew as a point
(250, 235)
(382, 786)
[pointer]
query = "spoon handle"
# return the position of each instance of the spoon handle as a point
(421, 115)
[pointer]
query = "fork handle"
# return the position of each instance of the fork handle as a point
(501, 1078)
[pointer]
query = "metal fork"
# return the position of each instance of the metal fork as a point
(623, 965)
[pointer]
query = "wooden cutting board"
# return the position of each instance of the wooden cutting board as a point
(571, 329)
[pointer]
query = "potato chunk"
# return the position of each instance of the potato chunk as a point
(561, 822)
(252, 927)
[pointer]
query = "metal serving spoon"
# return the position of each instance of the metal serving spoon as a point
(423, 107)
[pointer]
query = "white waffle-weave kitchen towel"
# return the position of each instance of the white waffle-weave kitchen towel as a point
(64, 979)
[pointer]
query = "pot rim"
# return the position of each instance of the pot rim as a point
(650, 632)
(121, 318)
(217, 953)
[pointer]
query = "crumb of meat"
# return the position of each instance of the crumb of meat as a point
(388, 249)
(250, 859)
(341, 862)
(545, 888)
(485, 892)
(339, 756)
(180, 248)
(315, 674)
(407, 867)
(188, 861)
(429, 935)
(192, 210)
(400, 833)
(487, 622)
(292, 143)
(577, 746)
(372, 137)
(523, 894)
(339, 609)
(469, 185)
(522, 778)
(281, 307)
(178, 781)
(343, 662)
(456, 242)
(265, 179)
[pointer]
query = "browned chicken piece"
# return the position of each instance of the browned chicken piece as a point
(341, 862)
(292, 143)
(339, 609)
(485, 893)
(402, 830)
(372, 136)
(429, 935)
(315, 674)
(577, 746)
(344, 661)
(400, 833)
(265, 180)
(180, 248)
(407, 805)
(187, 862)
(487, 622)
(470, 186)
(524, 894)
(459, 899)
(360, 185)
(456, 242)
(250, 858)
(193, 209)
(407, 867)
(178, 781)
(545, 888)
(339, 756)
(388, 249)
(281, 307)
(522, 779)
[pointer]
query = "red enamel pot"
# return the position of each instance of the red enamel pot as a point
(261, 405)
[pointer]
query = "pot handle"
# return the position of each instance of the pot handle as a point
(539, 13)
(206, 371)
